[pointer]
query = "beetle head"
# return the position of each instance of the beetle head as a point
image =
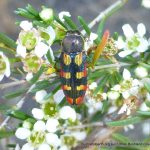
(73, 42)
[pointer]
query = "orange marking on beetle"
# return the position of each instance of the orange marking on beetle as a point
(81, 87)
(79, 100)
(70, 100)
(66, 87)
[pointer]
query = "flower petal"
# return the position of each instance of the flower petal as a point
(125, 53)
(58, 96)
(51, 125)
(21, 50)
(22, 133)
(26, 25)
(27, 146)
(141, 29)
(1, 77)
(44, 147)
(53, 139)
(126, 74)
(39, 126)
(67, 112)
(123, 109)
(120, 44)
(29, 76)
(62, 14)
(41, 49)
(17, 147)
(93, 36)
(93, 85)
(146, 3)
(39, 96)
(128, 31)
(38, 113)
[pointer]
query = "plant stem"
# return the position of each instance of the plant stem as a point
(111, 66)
(106, 13)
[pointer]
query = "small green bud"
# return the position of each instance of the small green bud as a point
(46, 14)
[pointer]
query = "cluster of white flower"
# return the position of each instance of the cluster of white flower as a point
(49, 131)
(34, 43)
(133, 42)
(130, 90)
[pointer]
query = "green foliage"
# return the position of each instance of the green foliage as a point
(125, 122)
(18, 114)
(7, 41)
(70, 23)
(84, 25)
(6, 134)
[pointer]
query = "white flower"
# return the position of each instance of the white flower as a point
(27, 146)
(126, 74)
(93, 86)
(90, 41)
(141, 29)
(4, 66)
(50, 34)
(116, 88)
(39, 96)
(26, 25)
(64, 147)
(46, 14)
(135, 42)
(62, 14)
(39, 126)
(67, 112)
(146, 3)
(58, 96)
(17, 147)
(124, 109)
(52, 125)
(141, 72)
(44, 147)
(22, 133)
(29, 76)
(53, 139)
(104, 95)
(144, 107)
(79, 135)
(127, 30)
(21, 51)
(38, 113)
(120, 43)
(41, 49)
(113, 95)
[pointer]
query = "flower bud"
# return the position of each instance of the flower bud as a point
(46, 14)
(141, 72)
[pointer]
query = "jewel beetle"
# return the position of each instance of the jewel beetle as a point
(73, 71)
